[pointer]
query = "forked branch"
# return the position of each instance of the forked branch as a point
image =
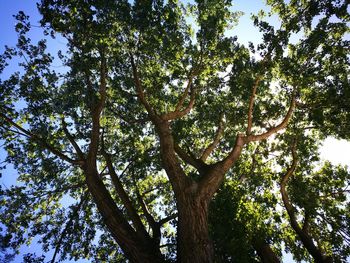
(216, 141)
(190, 158)
(215, 173)
(122, 193)
(139, 88)
(283, 124)
(178, 113)
(150, 219)
(301, 231)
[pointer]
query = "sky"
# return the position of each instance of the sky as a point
(337, 151)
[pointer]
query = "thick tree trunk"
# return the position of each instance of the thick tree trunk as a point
(264, 251)
(194, 244)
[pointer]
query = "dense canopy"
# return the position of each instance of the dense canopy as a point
(164, 139)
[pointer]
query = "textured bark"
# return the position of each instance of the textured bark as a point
(264, 251)
(194, 244)
(192, 197)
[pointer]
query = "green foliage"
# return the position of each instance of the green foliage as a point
(46, 115)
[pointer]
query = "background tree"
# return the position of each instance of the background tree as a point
(151, 117)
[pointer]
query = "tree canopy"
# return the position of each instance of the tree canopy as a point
(169, 140)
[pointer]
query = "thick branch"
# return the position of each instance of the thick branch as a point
(135, 246)
(132, 243)
(306, 224)
(264, 251)
(212, 146)
(180, 113)
(103, 84)
(124, 196)
(277, 128)
(190, 159)
(232, 157)
(212, 179)
(305, 238)
(139, 89)
(177, 177)
(41, 141)
(97, 109)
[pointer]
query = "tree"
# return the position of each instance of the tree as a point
(152, 120)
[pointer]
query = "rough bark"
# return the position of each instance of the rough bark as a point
(194, 244)
(192, 197)
(265, 252)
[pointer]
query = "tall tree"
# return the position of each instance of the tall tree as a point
(152, 116)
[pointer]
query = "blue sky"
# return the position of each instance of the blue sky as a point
(245, 32)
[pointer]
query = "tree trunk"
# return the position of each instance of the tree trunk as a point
(264, 251)
(194, 244)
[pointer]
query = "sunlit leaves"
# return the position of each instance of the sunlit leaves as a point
(174, 45)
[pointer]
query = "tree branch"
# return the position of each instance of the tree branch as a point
(212, 146)
(72, 141)
(103, 84)
(251, 105)
(41, 141)
(139, 89)
(122, 194)
(167, 219)
(97, 109)
(190, 159)
(185, 93)
(212, 179)
(231, 158)
(304, 237)
(75, 211)
(277, 128)
(156, 234)
(180, 113)
(177, 177)
(150, 219)
(15, 131)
